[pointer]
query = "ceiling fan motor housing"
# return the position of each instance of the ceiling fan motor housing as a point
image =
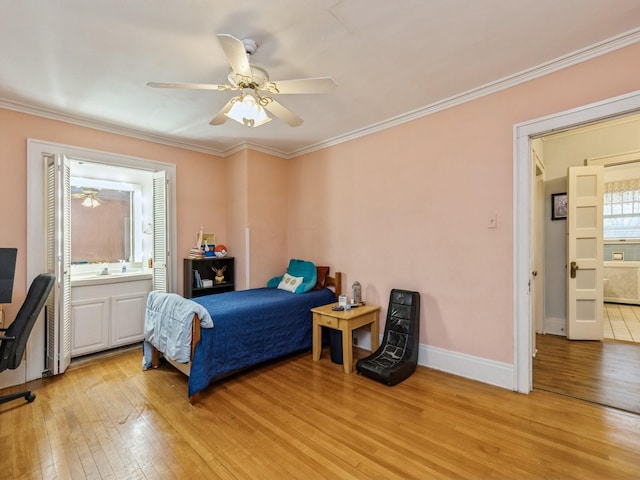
(250, 46)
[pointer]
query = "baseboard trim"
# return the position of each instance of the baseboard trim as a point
(475, 368)
(555, 326)
(11, 378)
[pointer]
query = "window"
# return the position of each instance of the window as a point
(622, 210)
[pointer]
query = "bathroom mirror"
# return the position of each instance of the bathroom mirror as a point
(106, 219)
(101, 224)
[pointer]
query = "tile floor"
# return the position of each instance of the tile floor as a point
(622, 322)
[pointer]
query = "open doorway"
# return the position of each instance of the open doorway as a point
(38, 155)
(523, 199)
(614, 144)
(603, 372)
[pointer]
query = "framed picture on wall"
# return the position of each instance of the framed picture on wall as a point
(558, 206)
(209, 239)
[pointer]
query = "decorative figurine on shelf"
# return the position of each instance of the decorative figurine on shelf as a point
(220, 250)
(208, 251)
(219, 274)
(199, 237)
(196, 251)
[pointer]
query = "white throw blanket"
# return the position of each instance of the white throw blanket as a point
(167, 325)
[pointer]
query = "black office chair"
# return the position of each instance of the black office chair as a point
(13, 340)
(397, 357)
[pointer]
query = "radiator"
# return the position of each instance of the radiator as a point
(621, 282)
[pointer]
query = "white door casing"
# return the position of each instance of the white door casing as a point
(585, 189)
(522, 200)
(36, 223)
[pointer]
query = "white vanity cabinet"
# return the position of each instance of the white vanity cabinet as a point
(89, 322)
(107, 315)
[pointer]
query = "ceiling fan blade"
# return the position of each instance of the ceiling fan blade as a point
(220, 118)
(236, 54)
(194, 86)
(303, 85)
(284, 114)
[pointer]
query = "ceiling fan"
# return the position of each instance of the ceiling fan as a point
(90, 197)
(257, 91)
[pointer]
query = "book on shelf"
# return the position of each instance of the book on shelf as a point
(198, 279)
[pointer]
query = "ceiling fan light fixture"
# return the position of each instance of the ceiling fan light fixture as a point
(249, 108)
(90, 202)
(248, 112)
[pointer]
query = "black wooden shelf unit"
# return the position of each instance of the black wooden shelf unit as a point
(197, 270)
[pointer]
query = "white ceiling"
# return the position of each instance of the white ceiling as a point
(88, 61)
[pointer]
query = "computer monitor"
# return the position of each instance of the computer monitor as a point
(7, 272)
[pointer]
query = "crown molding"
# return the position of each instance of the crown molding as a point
(256, 147)
(621, 41)
(133, 133)
(104, 126)
(615, 43)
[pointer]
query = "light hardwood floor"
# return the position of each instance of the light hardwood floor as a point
(606, 372)
(296, 418)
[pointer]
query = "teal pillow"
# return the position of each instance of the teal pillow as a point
(299, 268)
(274, 282)
(307, 270)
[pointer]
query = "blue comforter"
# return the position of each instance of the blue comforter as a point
(251, 327)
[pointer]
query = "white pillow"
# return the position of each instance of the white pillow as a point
(290, 283)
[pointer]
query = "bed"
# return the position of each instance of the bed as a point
(250, 327)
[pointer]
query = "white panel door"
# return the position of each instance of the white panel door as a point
(58, 261)
(537, 258)
(160, 222)
(585, 253)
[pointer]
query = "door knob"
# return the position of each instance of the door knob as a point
(574, 269)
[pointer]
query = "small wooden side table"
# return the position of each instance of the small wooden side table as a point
(346, 321)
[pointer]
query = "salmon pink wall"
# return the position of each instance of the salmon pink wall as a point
(237, 212)
(257, 198)
(199, 203)
(410, 207)
(267, 210)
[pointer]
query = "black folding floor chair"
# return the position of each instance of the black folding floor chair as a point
(13, 340)
(397, 357)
